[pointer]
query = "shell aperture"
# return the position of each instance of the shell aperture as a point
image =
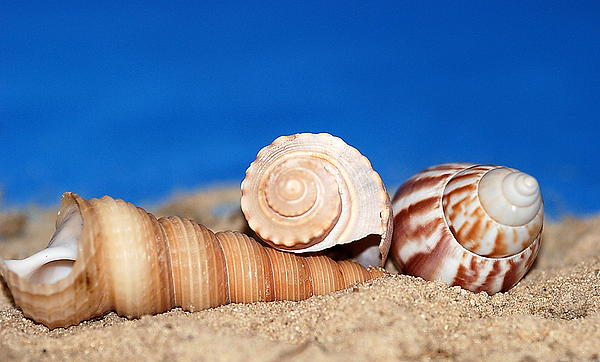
(54, 262)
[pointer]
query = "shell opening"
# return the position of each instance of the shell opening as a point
(364, 251)
(510, 197)
(56, 261)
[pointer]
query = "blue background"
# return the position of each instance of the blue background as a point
(138, 100)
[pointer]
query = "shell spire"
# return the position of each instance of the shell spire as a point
(308, 192)
(476, 226)
(109, 255)
(510, 197)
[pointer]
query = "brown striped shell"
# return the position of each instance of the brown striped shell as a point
(309, 192)
(476, 226)
(109, 255)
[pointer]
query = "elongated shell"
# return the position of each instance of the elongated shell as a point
(110, 255)
(476, 226)
(308, 192)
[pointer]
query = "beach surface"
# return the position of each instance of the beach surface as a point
(552, 314)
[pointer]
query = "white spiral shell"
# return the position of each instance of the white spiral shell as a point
(476, 226)
(309, 192)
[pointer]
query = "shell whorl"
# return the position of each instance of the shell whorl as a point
(510, 197)
(481, 216)
(450, 226)
(128, 261)
(308, 192)
(301, 200)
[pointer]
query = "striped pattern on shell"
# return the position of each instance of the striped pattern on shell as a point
(129, 261)
(442, 231)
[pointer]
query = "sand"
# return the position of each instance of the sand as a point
(553, 314)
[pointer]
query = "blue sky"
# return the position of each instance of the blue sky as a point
(140, 99)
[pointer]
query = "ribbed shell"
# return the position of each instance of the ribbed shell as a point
(308, 192)
(474, 251)
(132, 263)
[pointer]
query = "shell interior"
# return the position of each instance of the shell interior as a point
(55, 262)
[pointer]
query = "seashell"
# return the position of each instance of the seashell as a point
(309, 192)
(109, 255)
(476, 226)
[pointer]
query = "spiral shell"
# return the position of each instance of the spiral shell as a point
(476, 226)
(109, 255)
(309, 192)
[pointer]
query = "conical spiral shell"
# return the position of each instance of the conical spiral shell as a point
(460, 223)
(309, 192)
(130, 262)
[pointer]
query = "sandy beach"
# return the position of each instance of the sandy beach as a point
(552, 314)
